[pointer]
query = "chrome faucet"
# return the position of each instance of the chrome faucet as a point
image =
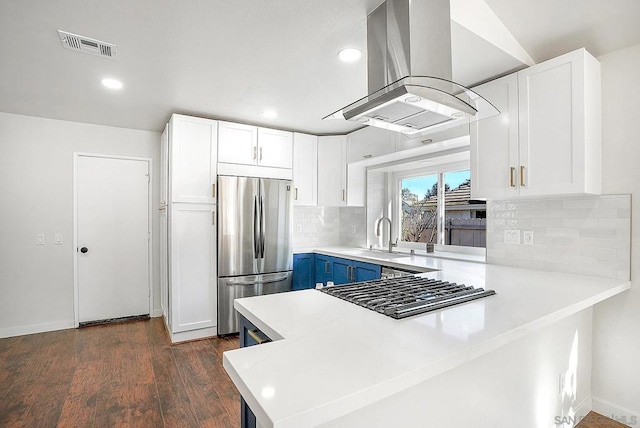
(378, 224)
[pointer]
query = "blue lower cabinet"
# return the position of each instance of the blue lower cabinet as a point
(250, 335)
(342, 271)
(323, 268)
(366, 271)
(303, 271)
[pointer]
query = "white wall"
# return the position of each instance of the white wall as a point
(36, 189)
(616, 374)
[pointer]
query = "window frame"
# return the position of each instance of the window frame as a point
(395, 189)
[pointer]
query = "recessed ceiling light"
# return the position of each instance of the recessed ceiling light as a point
(349, 54)
(112, 83)
(269, 114)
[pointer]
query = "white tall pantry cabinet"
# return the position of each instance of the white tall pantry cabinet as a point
(190, 176)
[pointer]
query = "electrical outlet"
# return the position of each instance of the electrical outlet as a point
(353, 229)
(40, 239)
(57, 239)
(512, 236)
(527, 237)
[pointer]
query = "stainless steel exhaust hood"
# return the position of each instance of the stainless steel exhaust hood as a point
(409, 71)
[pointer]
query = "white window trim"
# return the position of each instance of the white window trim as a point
(396, 195)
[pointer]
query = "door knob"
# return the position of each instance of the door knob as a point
(84, 250)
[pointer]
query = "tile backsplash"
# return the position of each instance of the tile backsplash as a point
(585, 235)
(328, 226)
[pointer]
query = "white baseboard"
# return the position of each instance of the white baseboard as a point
(615, 412)
(186, 336)
(583, 409)
(36, 328)
(157, 312)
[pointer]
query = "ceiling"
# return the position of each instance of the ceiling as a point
(234, 59)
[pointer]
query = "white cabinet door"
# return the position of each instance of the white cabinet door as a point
(494, 142)
(275, 148)
(559, 109)
(370, 142)
(237, 143)
(193, 267)
(305, 169)
(192, 157)
(332, 191)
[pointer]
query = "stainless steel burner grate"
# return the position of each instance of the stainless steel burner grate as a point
(406, 296)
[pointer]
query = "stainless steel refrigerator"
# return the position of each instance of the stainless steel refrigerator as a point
(255, 255)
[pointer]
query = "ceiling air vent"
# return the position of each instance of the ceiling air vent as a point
(87, 45)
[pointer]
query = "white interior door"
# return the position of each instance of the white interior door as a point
(112, 236)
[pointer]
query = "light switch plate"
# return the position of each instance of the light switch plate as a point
(40, 239)
(527, 237)
(57, 239)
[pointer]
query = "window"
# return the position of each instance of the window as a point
(444, 214)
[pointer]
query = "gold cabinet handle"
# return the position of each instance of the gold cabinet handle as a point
(257, 338)
(255, 152)
(213, 190)
(343, 194)
(260, 153)
(213, 218)
(522, 175)
(296, 198)
(512, 173)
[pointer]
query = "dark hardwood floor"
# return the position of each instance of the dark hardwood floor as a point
(123, 375)
(596, 420)
(114, 376)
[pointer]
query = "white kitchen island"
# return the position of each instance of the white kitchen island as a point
(519, 358)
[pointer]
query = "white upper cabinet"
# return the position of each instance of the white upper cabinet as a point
(305, 169)
(249, 145)
(192, 157)
(546, 141)
(237, 143)
(332, 170)
(494, 142)
(559, 126)
(275, 148)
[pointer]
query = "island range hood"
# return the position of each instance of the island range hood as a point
(409, 72)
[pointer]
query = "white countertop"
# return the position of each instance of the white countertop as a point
(330, 357)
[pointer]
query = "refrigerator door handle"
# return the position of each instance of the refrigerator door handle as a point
(262, 227)
(256, 228)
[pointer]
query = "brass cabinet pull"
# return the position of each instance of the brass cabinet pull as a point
(257, 338)
(260, 153)
(213, 218)
(522, 175)
(296, 198)
(326, 268)
(213, 190)
(255, 152)
(343, 194)
(512, 172)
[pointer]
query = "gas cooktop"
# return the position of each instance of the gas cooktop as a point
(406, 296)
